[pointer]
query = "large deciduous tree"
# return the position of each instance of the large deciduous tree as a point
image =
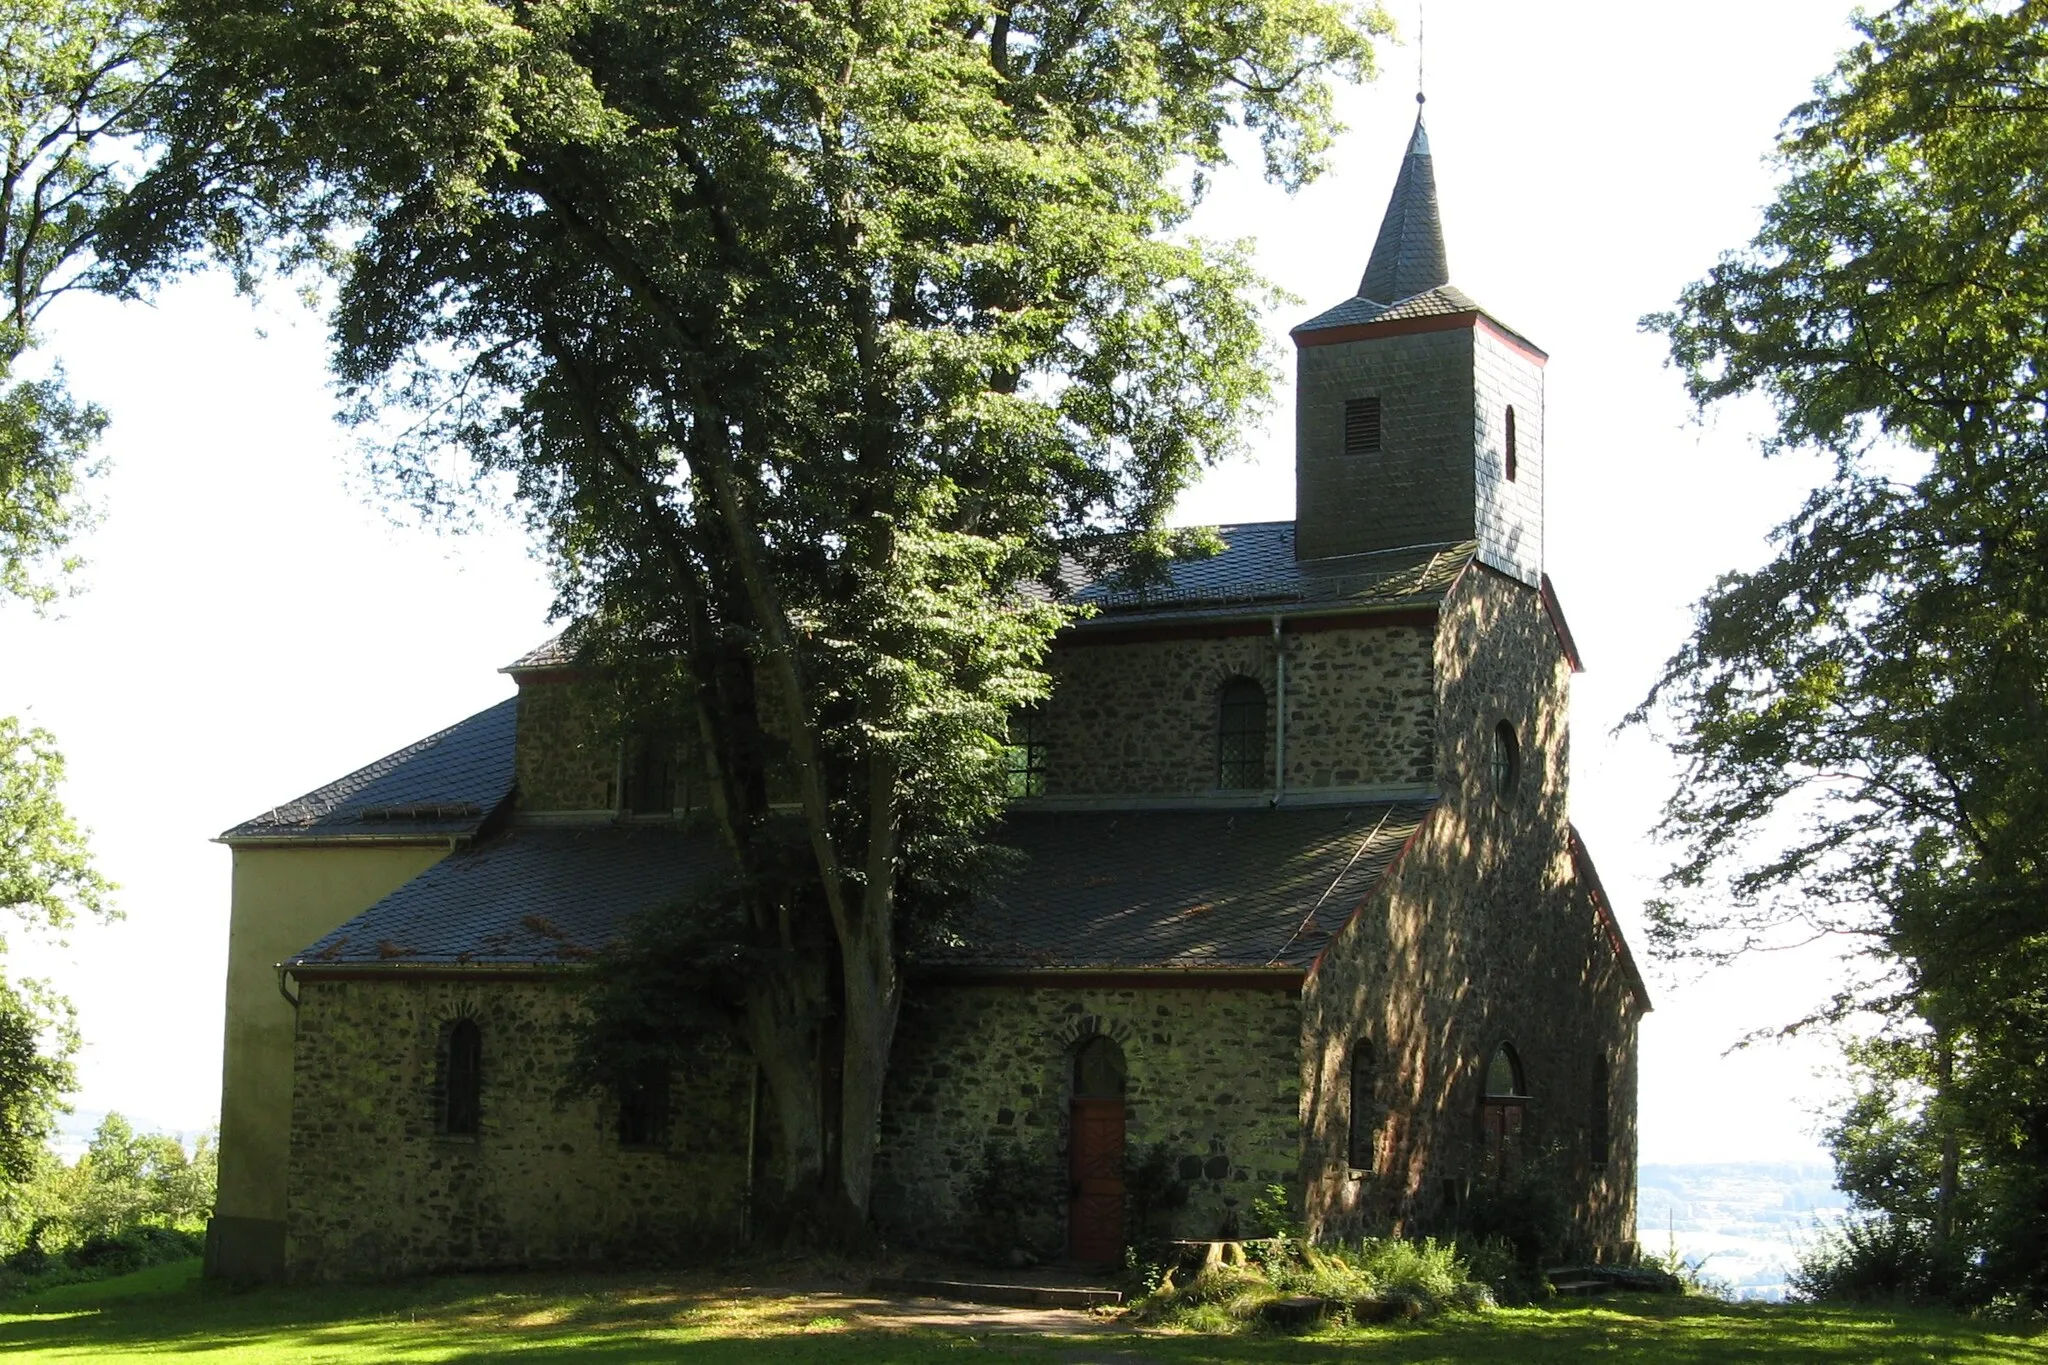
(1863, 718)
(810, 336)
(73, 77)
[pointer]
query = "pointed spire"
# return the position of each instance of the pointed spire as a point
(1408, 257)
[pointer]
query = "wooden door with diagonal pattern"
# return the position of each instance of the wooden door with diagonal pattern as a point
(1095, 1211)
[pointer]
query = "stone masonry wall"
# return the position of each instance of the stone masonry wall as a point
(565, 761)
(1140, 717)
(372, 1189)
(1211, 1073)
(1417, 489)
(1482, 936)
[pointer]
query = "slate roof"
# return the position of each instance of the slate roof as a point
(535, 896)
(442, 786)
(1257, 568)
(1189, 889)
(1138, 889)
(1408, 255)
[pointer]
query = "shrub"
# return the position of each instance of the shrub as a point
(1376, 1279)
(1878, 1257)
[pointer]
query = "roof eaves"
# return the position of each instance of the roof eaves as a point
(1582, 860)
(1555, 609)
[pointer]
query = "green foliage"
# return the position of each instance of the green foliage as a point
(1008, 1187)
(1861, 718)
(37, 1039)
(1277, 1212)
(46, 873)
(1872, 1258)
(1527, 1210)
(807, 340)
(1371, 1280)
(132, 1200)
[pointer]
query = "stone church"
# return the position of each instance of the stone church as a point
(1300, 902)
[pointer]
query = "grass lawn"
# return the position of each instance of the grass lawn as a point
(703, 1321)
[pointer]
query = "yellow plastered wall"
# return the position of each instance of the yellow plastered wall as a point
(284, 899)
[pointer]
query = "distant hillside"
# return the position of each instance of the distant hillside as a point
(1742, 1221)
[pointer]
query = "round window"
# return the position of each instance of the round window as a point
(1507, 761)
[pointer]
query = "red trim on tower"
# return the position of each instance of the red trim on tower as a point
(1441, 322)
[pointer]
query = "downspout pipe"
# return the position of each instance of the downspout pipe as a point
(1279, 712)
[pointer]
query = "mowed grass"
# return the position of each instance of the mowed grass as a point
(169, 1312)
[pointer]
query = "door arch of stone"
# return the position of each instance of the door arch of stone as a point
(1095, 1154)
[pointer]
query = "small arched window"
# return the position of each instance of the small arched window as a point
(1507, 761)
(1098, 1069)
(1501, 1115)
(1240, 735)
(462, 1074)
(643, 1107)
(1365, 1119)
(1597, 1128)
(1510, 444)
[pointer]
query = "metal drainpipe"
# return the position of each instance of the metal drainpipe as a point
(1279, 712)
(747, 1188)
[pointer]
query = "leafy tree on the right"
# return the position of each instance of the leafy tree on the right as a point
(1864, 720)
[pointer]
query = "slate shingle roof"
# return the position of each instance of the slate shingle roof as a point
(1408, 255)
(1247, 888)
(438, 787)
(1257, 568)
(536, 896)
(1138, 889)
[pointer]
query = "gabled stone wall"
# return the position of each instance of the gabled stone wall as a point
(1481, 936)
(565, 761)
(374, 1190)
(1139, 717)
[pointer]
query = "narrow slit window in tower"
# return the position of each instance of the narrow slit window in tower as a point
(1510, 444)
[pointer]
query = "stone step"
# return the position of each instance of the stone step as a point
(1587, 1286)
(1007, 1295)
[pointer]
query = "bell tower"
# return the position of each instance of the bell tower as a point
(1418, 415)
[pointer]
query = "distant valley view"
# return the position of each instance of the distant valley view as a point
(1743, 1223)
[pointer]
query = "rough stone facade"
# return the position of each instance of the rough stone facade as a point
(374, 1188)
(1211, 1074)
(1139, 717)
(1482, 936)
(566, 761)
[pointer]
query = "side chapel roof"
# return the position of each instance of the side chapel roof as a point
(440, 787)
(1138, 889)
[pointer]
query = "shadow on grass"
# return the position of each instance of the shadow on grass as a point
(700, 1319)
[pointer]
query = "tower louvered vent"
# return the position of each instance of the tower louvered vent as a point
(1361, 426)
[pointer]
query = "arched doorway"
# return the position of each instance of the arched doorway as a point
(1501, 1114)
(1095, 1154)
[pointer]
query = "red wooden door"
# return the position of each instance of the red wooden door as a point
(1095, 1211)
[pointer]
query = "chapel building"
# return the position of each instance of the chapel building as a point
(1299, 902)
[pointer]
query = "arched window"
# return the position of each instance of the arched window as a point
(1507, 761)
(462, 1074)
(1597, 1128)
(1365, 1118)
(1240, 735)
(1510, 444)
(1098, 1069)
(643, 1107)
(1501, 1115)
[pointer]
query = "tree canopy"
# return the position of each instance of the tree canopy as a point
(1862, 718)
(817, 342)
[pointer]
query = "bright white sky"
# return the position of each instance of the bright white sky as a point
(251, 629)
